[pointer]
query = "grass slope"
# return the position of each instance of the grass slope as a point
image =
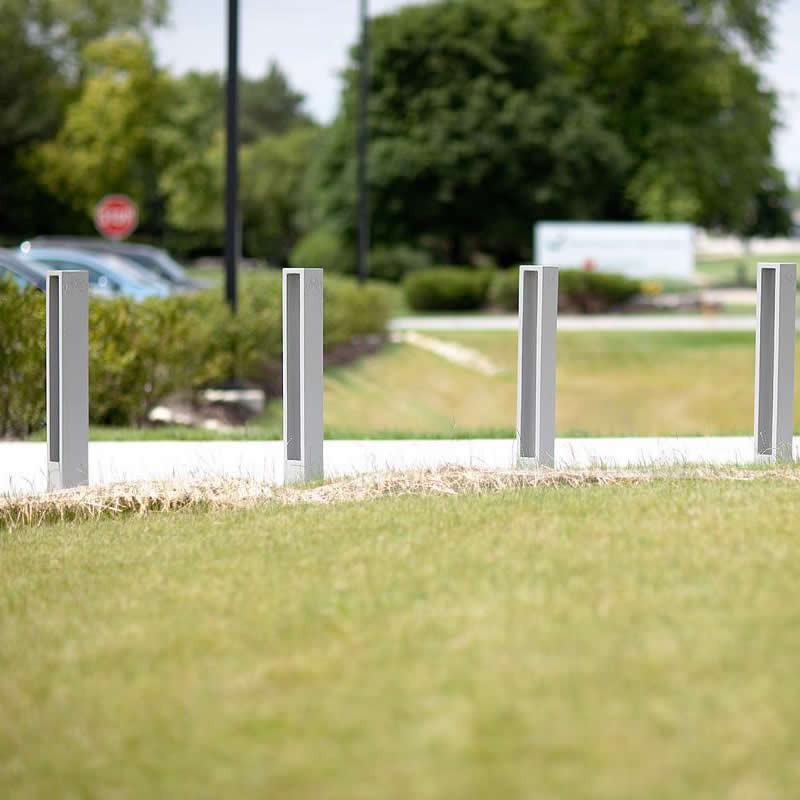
(731, 269)
(608, 384)
(597, 642)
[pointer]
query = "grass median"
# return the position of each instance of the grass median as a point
(568, 641)
(608, 384)
(659, 383)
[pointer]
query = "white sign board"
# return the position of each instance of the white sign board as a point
(636, 249)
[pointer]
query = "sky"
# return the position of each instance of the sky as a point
(310, 40)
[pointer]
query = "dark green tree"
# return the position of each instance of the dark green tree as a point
(486, 115)
(277, 139)
(41, 72)
(474, 133)
(675, 85)
(269, 105)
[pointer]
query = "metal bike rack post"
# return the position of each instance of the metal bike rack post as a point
(536, 373)
(67, 379)
(775, 346)
(302, 375)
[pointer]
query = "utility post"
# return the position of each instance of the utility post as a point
(776, 311)
(67, 304)
(362, 146)
(536, 373)
(232, 156)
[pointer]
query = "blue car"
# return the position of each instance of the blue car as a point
(24, 272)
(157, 261)
(107, 275)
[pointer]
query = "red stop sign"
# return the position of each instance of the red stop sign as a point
(116, 216)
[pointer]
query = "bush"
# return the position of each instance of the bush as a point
(139, 353)
(594, 292)
(325, 249)
(505, 290)
(394, 263)
(22, 359)
(579, 291)
(447, 289)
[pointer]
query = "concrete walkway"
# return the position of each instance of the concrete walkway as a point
(22, 464)
(566, 322)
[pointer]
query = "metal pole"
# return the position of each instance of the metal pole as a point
(363, 142)
(536, 373)
(303, 430)
(67, 379)
(232, 156)
(775, 347)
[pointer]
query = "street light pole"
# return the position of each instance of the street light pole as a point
(363, 141)
(232, 156)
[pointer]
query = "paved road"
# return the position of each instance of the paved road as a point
(22, 464)
(606, 322)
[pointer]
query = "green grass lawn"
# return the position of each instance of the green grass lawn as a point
(730, 270)
(608, 384)
(597, 642)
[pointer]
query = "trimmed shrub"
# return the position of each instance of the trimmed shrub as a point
(447, 289)
(394, 263)
(594, 292)
(139, 353)
(579, 291)
(323, 248)
(505, 289)
(22, 359)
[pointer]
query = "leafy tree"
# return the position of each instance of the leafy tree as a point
(674, 84)
(65, 27)
(277, 140)
(193, 145)
(269, 105)
(29, 115)
(109, 141)
(273, 170)
(488, 114)
(474, 133)
(41, 72)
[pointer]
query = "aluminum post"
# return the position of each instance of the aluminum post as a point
(776, 311)
(536, 367)
(302, 375)
(67, 379)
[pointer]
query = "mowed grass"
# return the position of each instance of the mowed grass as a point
(608, 384)
(597, 642)
(732, 269)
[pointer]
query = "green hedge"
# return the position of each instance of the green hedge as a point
(447, 289)
(394, 263)
(139, 353)
(579, 291)
(22, 359)
(325, 248)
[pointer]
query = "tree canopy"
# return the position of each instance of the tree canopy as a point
(486, 115)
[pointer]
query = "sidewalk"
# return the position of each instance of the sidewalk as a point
(606, 322)
(23, 464)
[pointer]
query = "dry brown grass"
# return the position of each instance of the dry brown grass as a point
(86, 503)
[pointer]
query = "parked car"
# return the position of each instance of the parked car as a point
(131, 268)
(151, 258)
(24, 271)
(111, 276)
